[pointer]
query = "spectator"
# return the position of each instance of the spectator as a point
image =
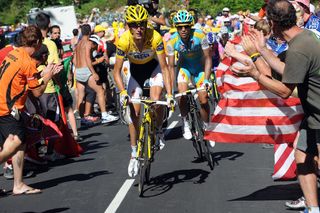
(301, 70)
(20, 74)
(85, 73)
(49, 100)
(75, 38)
(55, 33)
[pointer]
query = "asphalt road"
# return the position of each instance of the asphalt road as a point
(98, 180)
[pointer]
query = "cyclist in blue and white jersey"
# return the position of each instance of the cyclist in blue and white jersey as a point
(194, 60)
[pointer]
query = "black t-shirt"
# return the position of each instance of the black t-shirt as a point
(111, 49)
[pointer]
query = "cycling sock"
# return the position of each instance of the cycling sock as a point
(185, 122)
(104, 114)
(313, 209)
(133, 151)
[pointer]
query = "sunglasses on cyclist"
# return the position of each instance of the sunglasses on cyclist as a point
(142, 24)
(179, 27)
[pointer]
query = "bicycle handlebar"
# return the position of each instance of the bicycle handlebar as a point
(147, 101)
(192, 91)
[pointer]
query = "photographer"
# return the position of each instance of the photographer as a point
(155, 17)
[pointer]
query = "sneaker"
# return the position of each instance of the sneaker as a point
(296, 204)
(109, 118)
(187, 132)
(133, 167)
(54, 156)
(8, 172)
(160, 142)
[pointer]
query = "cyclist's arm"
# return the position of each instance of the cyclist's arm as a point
(171, 60)
(165, 72)
(117, 73)
(207, 63)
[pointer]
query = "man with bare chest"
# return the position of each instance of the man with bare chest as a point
(86, 75)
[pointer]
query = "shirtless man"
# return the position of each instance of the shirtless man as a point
(86, 75)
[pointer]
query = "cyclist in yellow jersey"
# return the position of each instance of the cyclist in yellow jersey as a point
(145, 51)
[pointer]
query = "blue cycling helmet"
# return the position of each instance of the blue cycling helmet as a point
(211, 37)
(183, 18)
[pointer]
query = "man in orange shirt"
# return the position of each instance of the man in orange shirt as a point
(18, 75)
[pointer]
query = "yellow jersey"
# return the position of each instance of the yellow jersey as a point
(153, 46)
(53, 57)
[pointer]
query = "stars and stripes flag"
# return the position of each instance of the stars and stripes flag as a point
(249, 113)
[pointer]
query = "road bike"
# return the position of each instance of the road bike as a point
(147, 140)
(196, 125)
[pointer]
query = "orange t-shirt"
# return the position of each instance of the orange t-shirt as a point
(17, 75)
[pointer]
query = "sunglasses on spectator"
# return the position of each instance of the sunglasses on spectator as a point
(141, 24)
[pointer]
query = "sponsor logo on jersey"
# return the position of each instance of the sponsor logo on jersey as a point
(120, 52)
(160, 47)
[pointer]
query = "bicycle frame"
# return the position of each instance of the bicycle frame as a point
(146, 140)
(197, 126)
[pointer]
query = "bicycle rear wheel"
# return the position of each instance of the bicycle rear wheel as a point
(193, 122)
(144, 167)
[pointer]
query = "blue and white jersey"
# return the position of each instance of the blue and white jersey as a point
(313, 24)
(191, 53)
(277, 47)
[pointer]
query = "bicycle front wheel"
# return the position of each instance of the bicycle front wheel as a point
(195, 132)
(144, 167)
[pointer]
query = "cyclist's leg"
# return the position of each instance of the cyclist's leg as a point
(134, 91)
(203, 98)
(156, 87)
(183, 80)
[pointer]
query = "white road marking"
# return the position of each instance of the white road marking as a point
(114, 205)
(117, 200)
(170, 127)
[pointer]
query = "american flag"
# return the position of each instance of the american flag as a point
(249, 113)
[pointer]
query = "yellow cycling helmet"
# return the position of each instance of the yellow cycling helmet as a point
(136, 13)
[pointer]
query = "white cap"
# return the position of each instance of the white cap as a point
(225, 9)
(95, 39)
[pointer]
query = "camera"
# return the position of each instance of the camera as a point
(146, 4)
